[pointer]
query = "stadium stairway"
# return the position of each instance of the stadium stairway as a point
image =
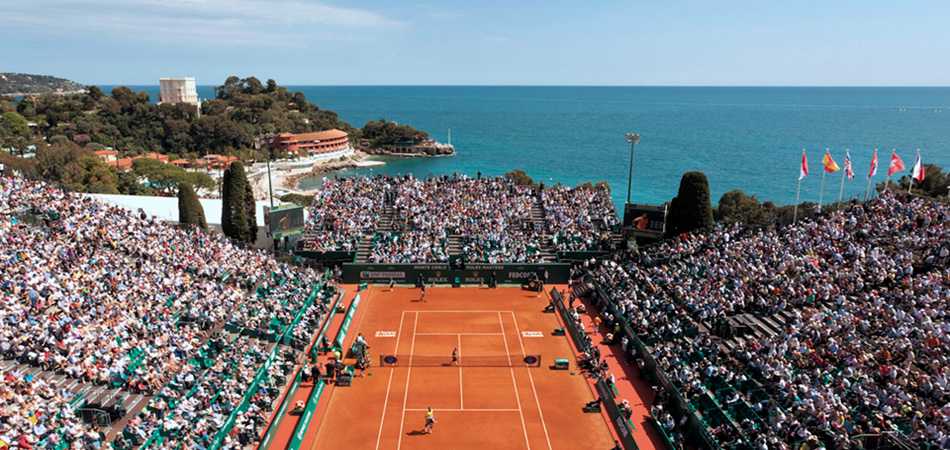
(134, 403)
(745, 327)
(366, 247)
(455, 245)
(386, 219)
(99, 399)
(537, 218)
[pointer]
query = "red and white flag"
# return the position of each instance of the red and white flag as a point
(918, 170)
(804, 170)
(896, 164)
(873, 166)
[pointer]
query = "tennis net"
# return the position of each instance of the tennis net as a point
(462, 361)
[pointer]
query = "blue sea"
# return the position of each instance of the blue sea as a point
(741, 138)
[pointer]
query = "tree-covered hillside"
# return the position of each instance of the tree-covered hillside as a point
(129, 122)
(385, 133)
(24, 83)
(60, 132)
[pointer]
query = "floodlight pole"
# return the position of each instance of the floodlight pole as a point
(633, 140)
(270, 183)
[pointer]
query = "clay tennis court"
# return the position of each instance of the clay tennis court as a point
(486, 401)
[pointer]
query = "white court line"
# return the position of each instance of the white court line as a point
(536, 400)
(514, 383)
(461, 311)
(386, 402)
(461, 410)
(459, 350)
(462, 334)
(405, 397)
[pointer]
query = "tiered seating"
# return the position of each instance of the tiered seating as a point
(410, 247)
(108, 297)
(492, 215)
(818, 322)
(579, 219)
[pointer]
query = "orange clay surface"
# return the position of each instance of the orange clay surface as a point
(475, 407)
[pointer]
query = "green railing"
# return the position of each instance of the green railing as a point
(678, 406)
(326, 325)
(298, 378)
(621, 423)
(279, 414)
(307, 416)
(341, 335)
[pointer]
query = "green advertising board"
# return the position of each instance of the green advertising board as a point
(341, 336)
(307, 416)
(443, 274)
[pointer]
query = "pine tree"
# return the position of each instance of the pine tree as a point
(233, 208)
(189, 208)
(691, 209)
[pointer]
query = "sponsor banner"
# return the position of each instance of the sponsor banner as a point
(441, 273)
(304, 423)
(621, 424)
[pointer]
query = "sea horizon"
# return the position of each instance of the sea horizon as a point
(743, 137)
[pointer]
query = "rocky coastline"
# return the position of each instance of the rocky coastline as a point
(427, 148)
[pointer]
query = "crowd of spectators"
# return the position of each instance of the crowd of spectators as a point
(343, 210)
(411, 247)
(865, 348)
(109, 296)
(579, 219)
(491, 216)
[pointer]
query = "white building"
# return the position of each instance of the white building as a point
(178, 90)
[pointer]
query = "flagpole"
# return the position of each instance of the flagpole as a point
(843, 173)
(795, 216)
(799, 191)
(821, 192)
(912, 172)
(887, 183)
(868, 190)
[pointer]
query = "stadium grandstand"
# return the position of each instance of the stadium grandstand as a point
(485, 220)
(119, 328)
(121, 331)
(832, 332)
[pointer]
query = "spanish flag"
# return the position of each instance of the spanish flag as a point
(830, 165)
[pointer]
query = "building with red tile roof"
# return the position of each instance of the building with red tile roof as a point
(312, 144)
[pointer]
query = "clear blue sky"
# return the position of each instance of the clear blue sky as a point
(485, 42)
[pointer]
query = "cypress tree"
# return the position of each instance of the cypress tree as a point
(233, 205)
(250, 206)
(189, 208)
(691, 208)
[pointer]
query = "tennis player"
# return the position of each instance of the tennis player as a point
(455, 356)
(430, 421)
(423, 298)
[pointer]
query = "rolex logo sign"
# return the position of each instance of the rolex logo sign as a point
(475, 273)
(438, 273)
